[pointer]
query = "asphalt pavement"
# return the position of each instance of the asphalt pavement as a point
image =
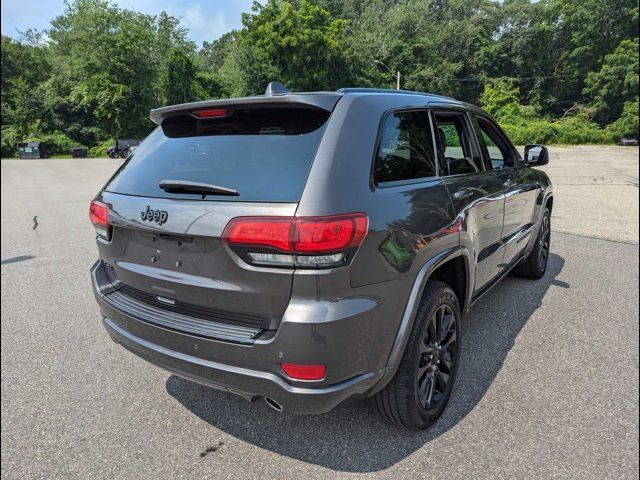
(547, 387)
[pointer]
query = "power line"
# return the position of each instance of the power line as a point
(483, 78)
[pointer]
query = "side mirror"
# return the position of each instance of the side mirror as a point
(535, 154)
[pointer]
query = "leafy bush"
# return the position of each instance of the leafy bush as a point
(524, 123)
(9, 141)
(538, 131)
(568, 131)
(501, 99)
(100, 150)
(627, 124)
(54, 143)
(580, 130)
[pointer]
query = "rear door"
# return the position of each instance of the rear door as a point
(476, 192)
(166, 245)
(519, 184)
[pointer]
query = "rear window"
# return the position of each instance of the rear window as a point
(405, 150)
(265, 154)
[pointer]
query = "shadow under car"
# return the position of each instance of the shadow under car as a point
(352, 438)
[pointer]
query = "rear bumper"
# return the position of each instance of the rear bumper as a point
(251, 384)
(252, 370)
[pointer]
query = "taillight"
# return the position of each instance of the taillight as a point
(327, 234)
(304, 372)
(99, 216)
(304, 241)
(270, 232)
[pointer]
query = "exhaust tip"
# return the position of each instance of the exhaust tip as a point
(273, 404)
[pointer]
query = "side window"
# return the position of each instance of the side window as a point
(406, 148)
(495, 147)
(455, 147)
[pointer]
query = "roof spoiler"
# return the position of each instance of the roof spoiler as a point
(276, 95)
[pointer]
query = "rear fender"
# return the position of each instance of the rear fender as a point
(408, 317)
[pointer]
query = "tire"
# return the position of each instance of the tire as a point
(535, 265)
(405, 400)
(124, 153)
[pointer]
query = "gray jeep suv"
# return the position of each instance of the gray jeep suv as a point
(309, 248)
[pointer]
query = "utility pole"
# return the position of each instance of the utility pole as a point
(397, 75)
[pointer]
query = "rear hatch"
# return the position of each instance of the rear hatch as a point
(169, 203)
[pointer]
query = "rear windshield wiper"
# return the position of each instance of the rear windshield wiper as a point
(185, 186)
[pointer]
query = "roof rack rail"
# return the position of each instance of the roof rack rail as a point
(276, 88)
(387, 90)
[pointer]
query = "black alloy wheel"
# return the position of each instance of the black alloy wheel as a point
(534, 265)
(544, 240)
(419, 392)
(437, 357)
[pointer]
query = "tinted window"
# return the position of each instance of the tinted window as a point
(265, 154)
(493, 151)
(495, 147)
(406, 149)
(454, 145)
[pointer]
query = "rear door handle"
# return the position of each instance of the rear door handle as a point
(463, 193)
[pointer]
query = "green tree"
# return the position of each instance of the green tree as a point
(616, 83)
(212, 54)
(627, 124)
(170, 37)
(211, 57)
(180, 79)
(107, 69)
(298, 46)
(502, 99)
(585, 32)
(103, 65)
(433, 43)
(522, 33)
(25, 65)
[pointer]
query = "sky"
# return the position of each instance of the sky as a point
(205, 19)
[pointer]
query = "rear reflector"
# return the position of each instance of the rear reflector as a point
(99, 216)
(211, 113)
(304, 372)
(305, 235)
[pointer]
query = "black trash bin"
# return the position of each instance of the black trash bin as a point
(79, 152)
(30, 150)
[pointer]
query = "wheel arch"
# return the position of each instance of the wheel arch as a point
(454, 272)
(549, 203)
(448, 264)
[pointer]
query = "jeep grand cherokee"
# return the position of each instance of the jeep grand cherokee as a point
(309, 248)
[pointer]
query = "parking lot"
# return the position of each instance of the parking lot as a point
(548, 384)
